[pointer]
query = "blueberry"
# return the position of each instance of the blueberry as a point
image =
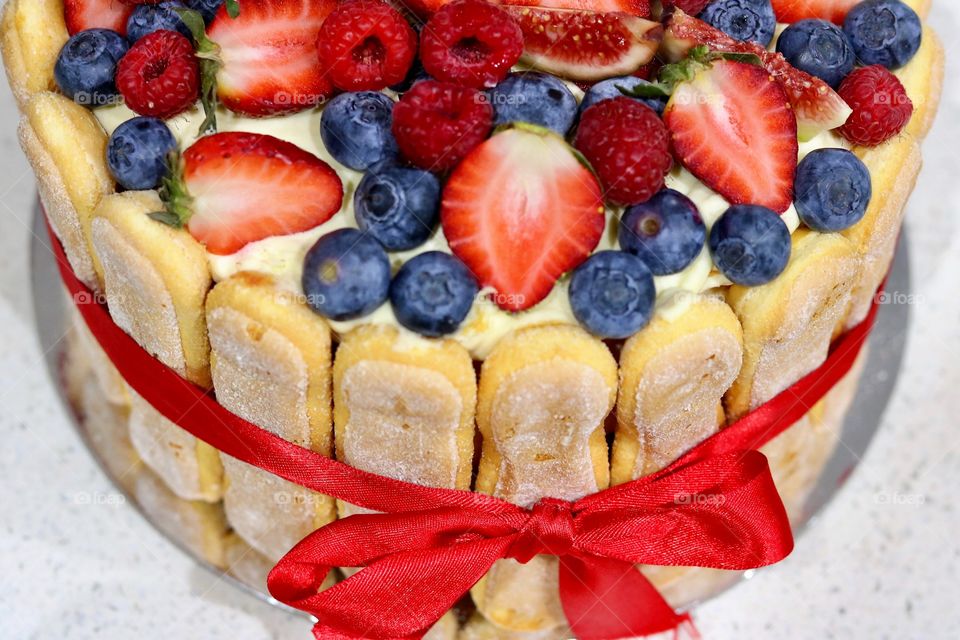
(355, 128)
(750, 244)
(536, 98)
(833, 190)
(886, 32)
(818, 47)
(398, 206)
(346, 275)
(612, 294)
(147, 18)
(433, 293)
(87, 65)
(746, 20)
(610, 88)
(666, 232)
(137, 152)
(207, 8)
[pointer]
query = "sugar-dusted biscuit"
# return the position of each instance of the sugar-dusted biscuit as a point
(105, 373)
(445, 629)
(271, 364)
(190, 467)
(32, 32)
(922, 77)
(156, 280)
(67, 149)
(404, 407)
(788, 323)
(673, 375)
(479, 628)
(544, 395)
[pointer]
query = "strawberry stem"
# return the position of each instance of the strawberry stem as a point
(698, 58)
(208, 53)
(177, 202)
(233, 8)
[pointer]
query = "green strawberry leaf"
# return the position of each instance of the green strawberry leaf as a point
(233, 8)
(208, 52)
(177, 202)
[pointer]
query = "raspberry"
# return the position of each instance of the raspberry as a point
(436, 123)
(627, 145)
(470, 43)
(366, 45)
(881, 106)
(691, 7)
(159, 76)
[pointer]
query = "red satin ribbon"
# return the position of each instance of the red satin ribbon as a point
(714, 507)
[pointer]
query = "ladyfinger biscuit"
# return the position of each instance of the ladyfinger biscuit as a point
(270, 360)
(673, 375)
(922, 78)
(67, 149)
(544, 395)
(404, 407)
(788, 323)
(479, 628)
(32, 32)
(156, 279)
(105, 373)
(446, 628)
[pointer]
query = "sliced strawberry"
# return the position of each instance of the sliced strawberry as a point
(586, 45)
(818, 107)
(732, 127)
(693, 7)
(521, 210)
(244, 187)
(81, 15)
(791, 11)
(269, 56)
(634, 7)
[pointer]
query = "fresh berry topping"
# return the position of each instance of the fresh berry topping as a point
(886, 32)
(398, 206)
(628, 147)
(586, 45)
(237, 188)
(366, 45)
(346, 275)
(691, 7)
(614, 88)
(633, 7)
(750, 245)
(818, 107)
(269, 56)
(81, 15)
(147, 18)
(818, 47)
(437, 123)
(536, 98)
(159, 76)
(87, 64)
(612, 294)
(471, 43)
(137, 153)
(206, 8)
(881, 106)
(745, 20)
(666, 232)
(521, 210)
(433, 293)
(790, 11)
(833, 190)
(355, 128)
(732, 127)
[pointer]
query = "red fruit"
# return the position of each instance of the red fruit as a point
(790, 11)
(693, 7)
(521, 210)
(627, 145)
(269, 56)
(366, 45)
(159, 76)
(81, 15)
(437, 123)
(732, 127)
(470, 43)
(586, 45)
(245, 187)
(635, 7)
(881, 106)
(817, 106)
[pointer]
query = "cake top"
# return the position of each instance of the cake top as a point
(465, 168)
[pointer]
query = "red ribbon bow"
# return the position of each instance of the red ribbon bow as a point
(714, 507)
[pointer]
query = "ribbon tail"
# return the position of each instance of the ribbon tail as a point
(607, 599)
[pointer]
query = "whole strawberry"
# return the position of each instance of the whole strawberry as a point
(627, 145)
(881, 106)
(160, 75)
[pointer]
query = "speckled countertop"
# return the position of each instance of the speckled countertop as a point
(881, 561)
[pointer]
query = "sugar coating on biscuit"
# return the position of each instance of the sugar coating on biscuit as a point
(523, 597)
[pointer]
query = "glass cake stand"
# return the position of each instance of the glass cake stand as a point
(863, 420)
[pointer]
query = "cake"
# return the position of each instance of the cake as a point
(537, 249)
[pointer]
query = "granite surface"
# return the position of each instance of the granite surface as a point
(880, 562)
